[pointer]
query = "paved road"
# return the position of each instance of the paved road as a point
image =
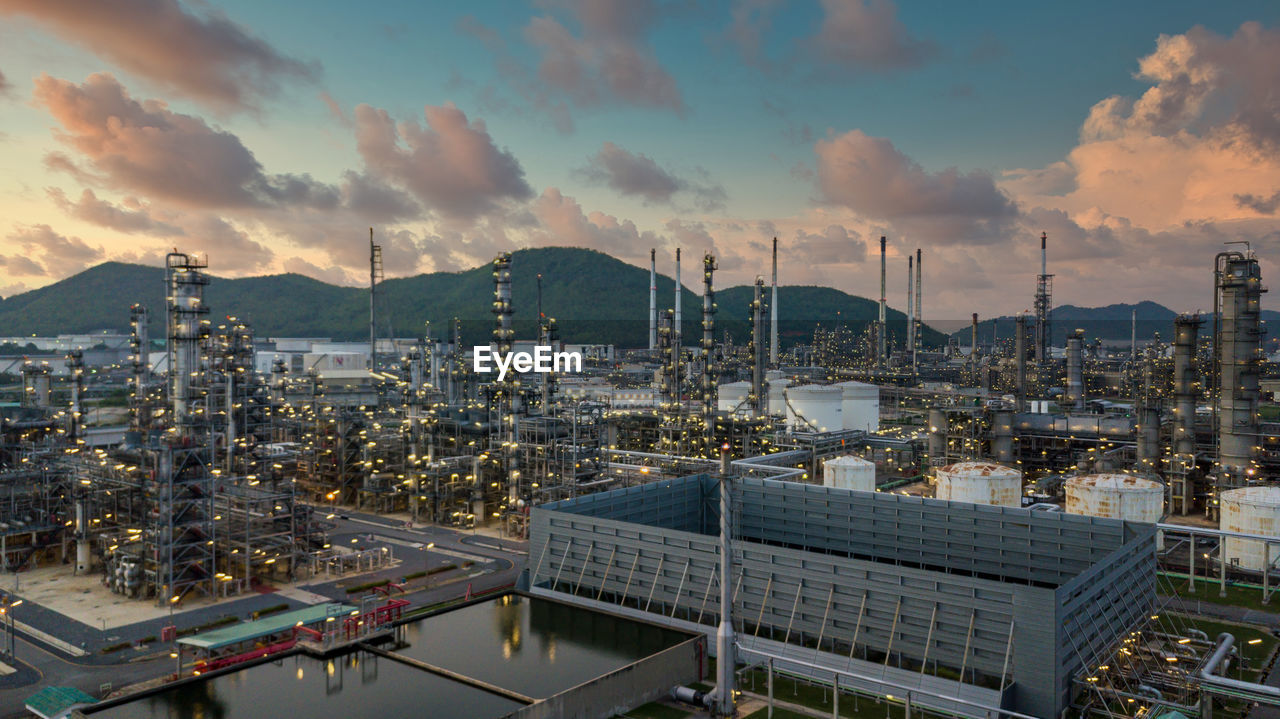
(497, 563)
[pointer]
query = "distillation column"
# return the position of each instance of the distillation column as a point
(911, 300)
(1075, 371)
(505, 392)
(1239, 344)
(1020, 360)
(653, 299)
(1043, 304)
(919, 325)
(75, 366)
(880, 323)
(757, 396)
(186, 333)
(140, 346)
(708, 349)
(773, 311)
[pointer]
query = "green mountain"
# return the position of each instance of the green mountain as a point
(592, 296)
(1112, 322)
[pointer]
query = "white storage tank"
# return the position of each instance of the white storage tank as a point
(777, 391)
(849, 473)
(814, 408)
(1118, 496)
(980, 483)
(1251, 510)
(860, 406)
(733, 396)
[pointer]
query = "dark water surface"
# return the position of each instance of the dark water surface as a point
(532, 646)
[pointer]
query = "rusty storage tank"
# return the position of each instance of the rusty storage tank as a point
(849, 473)
(980, 483)
(1251, 510)
(1118, 496)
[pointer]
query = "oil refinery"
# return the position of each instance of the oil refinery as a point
(1004, 529)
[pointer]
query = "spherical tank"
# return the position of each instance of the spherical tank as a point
(980, 483)
(849, 473)
(814, 408)
(1251, 510)
(1118, 496)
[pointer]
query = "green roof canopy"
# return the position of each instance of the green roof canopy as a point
(53, 702)
(248, 631)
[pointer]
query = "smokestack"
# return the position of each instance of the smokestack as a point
(653, 299)
(880, 339)
(773, 311)
(919, 340)
(1044, 253)
(911, 301)
(676, 329)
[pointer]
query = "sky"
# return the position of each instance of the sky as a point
(271, 136)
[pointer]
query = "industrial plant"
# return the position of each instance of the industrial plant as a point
(994, 525)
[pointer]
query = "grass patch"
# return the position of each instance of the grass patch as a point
(1256, 653)
(274, 608)
(111, 649)
(219, 622)
(654, 710)
(1206, 591)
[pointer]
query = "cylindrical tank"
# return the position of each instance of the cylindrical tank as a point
(849, 473)
(860, 406)
(777, 394)
(814, 408)
(733, 396)
(1118, 496)
(980, 483)
(1251, 510)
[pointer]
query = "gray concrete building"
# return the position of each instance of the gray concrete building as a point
(968, 606)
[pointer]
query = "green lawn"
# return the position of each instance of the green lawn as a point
(1237, 596)
(654, 710)
(1257, 653)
